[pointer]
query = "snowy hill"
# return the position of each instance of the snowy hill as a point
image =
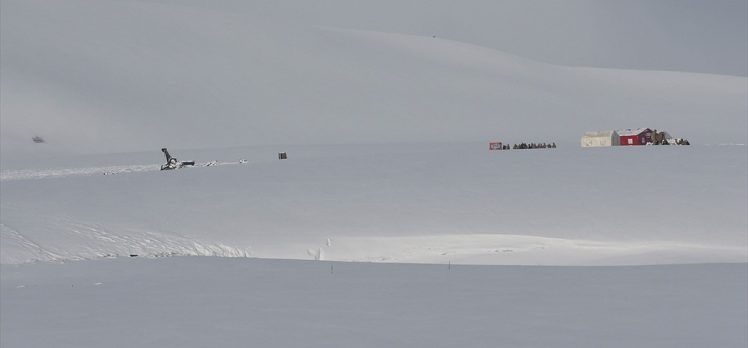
(434, 203)
(110, 76)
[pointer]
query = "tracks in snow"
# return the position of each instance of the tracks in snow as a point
(29, 174)
(82, 241)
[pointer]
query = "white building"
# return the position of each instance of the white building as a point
(601, 138)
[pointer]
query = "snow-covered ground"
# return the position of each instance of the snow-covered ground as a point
(193, 75)
(435, 203)
(219, 302)
(517, 247)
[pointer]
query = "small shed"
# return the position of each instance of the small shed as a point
(639, 136)
(600, 138)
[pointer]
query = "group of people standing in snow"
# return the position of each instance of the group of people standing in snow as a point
(500, 146)
(534, 146)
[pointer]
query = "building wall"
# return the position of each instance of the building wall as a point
(600, 141)
(587, 142)
(639, 139)
(595, 141)
(646, 137)
(630, 140)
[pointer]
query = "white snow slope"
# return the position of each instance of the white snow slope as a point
(106, 76)
(124, 76)
(218, 302)
(435, 203)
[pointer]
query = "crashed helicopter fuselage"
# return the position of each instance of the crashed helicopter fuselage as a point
(173, 162)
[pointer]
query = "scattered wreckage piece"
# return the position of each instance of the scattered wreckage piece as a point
(173, 162)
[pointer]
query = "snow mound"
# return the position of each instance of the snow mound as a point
(525, 250)
(91, 241)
